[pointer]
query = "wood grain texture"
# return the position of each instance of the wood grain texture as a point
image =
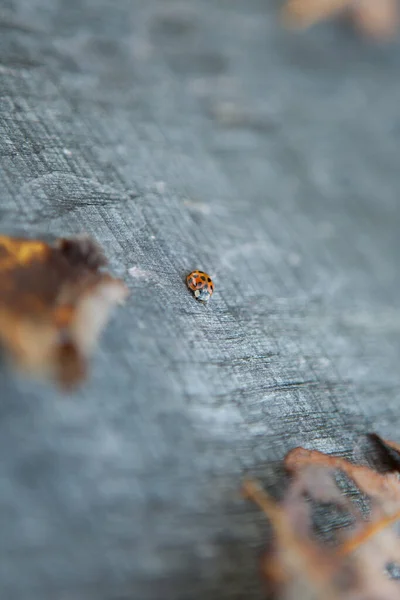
(194, 135)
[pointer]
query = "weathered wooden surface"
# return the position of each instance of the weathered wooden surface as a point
(186, 135)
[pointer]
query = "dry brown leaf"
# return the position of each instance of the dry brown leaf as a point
(388, 445)
(54, 302)
(353, 566)
(375, 18)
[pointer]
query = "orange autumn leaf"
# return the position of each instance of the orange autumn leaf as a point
(54, 301)
(376, 18)
(354, 564)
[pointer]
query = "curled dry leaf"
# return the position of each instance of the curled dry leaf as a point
(391, 448)
(354, 565)
(376, 18)
(54, 301)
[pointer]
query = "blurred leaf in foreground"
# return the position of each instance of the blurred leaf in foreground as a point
(362, 553)
(376, 18)
(54, 301)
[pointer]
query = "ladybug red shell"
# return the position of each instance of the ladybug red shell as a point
(201, 285)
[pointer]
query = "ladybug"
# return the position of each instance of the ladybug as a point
(201, 285)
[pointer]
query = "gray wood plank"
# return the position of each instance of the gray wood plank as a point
(187, 135)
